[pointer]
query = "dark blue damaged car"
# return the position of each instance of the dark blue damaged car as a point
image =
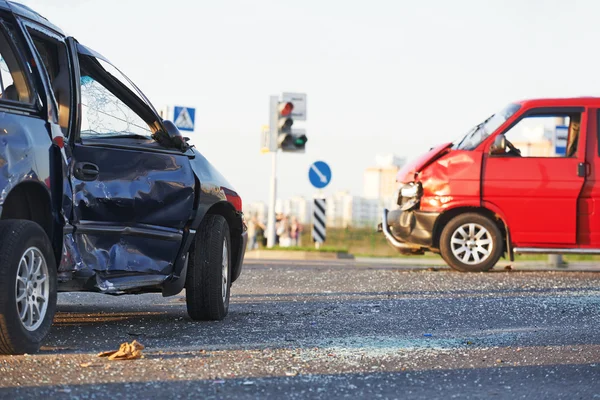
(97, 192)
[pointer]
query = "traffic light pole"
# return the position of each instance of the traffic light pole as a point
(282, 137)
(272, 199)
(274, 103)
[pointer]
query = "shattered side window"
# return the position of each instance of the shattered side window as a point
(105, 115)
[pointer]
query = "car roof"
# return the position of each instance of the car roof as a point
(584, 101)
(26, 12)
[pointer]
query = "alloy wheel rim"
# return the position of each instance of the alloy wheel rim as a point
(32, 289)
(225, 271)
(471, 244)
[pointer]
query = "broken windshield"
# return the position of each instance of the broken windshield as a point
(483, 130)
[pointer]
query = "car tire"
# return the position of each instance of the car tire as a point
(208, 281)
(27, 286)
(471, 242)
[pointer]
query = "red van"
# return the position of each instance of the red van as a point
(522, 181)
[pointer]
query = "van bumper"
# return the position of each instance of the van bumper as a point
(410, 232)
(237, 267)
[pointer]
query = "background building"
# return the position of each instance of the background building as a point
(379, 181)
(344, 209)
(296, 206)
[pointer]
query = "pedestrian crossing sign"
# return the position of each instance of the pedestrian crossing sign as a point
(184, 118)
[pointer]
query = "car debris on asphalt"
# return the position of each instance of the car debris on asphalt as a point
(127, 351)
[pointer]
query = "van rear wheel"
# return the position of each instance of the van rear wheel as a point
(471, 243)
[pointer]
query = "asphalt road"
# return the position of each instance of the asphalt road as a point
(332, 330)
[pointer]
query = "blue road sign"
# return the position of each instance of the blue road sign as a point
(184, 118)
(561, 133)
(319, 174)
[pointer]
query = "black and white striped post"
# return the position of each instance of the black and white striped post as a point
(319, 229)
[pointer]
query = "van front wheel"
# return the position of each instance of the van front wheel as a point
(471, 243)
(27, 286)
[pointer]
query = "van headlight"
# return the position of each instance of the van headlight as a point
(409, 195)
(410, 190)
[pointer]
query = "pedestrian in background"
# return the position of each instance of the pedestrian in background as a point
(296, 232)
(261, 238)
(278, 219)
(283, 231)
(252, 233)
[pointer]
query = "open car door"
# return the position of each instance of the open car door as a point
(132, 197)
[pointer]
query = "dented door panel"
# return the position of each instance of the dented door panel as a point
(134, 187)
(129, 219)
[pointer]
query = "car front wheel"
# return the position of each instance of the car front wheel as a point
(27, 286)
(208, 282)
(471, 243)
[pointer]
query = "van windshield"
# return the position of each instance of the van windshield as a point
(480, 132)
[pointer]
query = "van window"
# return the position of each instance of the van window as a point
(105, 112)
(13, 81)
(53, 53)
(546, 135)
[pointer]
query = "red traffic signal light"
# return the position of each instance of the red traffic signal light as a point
(285, 109)
(285, 120)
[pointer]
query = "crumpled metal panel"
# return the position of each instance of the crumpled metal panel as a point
(71, 259)
(452, 181)
(118, 284)
(134, 187)
(126, 254)
(24, 152)
(141, 191)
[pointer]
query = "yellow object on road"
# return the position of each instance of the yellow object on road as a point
(127, 351)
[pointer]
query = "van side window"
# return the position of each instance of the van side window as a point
(53, 54)
(105, 112)
(544, 135)
(13, 81)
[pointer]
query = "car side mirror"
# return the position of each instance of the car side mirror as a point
(499, 145)
(171, 137)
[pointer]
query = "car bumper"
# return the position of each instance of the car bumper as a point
(410, 232)
(237, 270)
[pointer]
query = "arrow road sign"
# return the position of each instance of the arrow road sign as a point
(319, 174)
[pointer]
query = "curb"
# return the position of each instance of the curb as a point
(296, 255)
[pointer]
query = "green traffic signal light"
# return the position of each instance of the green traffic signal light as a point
(300, 141)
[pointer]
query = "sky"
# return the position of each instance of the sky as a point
(381, 77)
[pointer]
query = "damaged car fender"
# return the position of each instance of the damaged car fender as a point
(217, 196)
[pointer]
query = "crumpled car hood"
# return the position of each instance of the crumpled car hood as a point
(408, 171)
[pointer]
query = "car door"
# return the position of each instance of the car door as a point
(538, 190)
(132, 197)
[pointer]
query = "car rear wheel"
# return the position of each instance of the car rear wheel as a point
(27, 286)
(471, 243)
(208, 282)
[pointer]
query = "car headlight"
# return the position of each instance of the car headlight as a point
(410, 190)
(409, 195)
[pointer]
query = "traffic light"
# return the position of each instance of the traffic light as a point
(287, 139)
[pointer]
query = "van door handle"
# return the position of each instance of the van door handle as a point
(86, 171)
(582, 170)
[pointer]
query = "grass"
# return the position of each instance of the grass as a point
(323, 249)
(366, 242)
